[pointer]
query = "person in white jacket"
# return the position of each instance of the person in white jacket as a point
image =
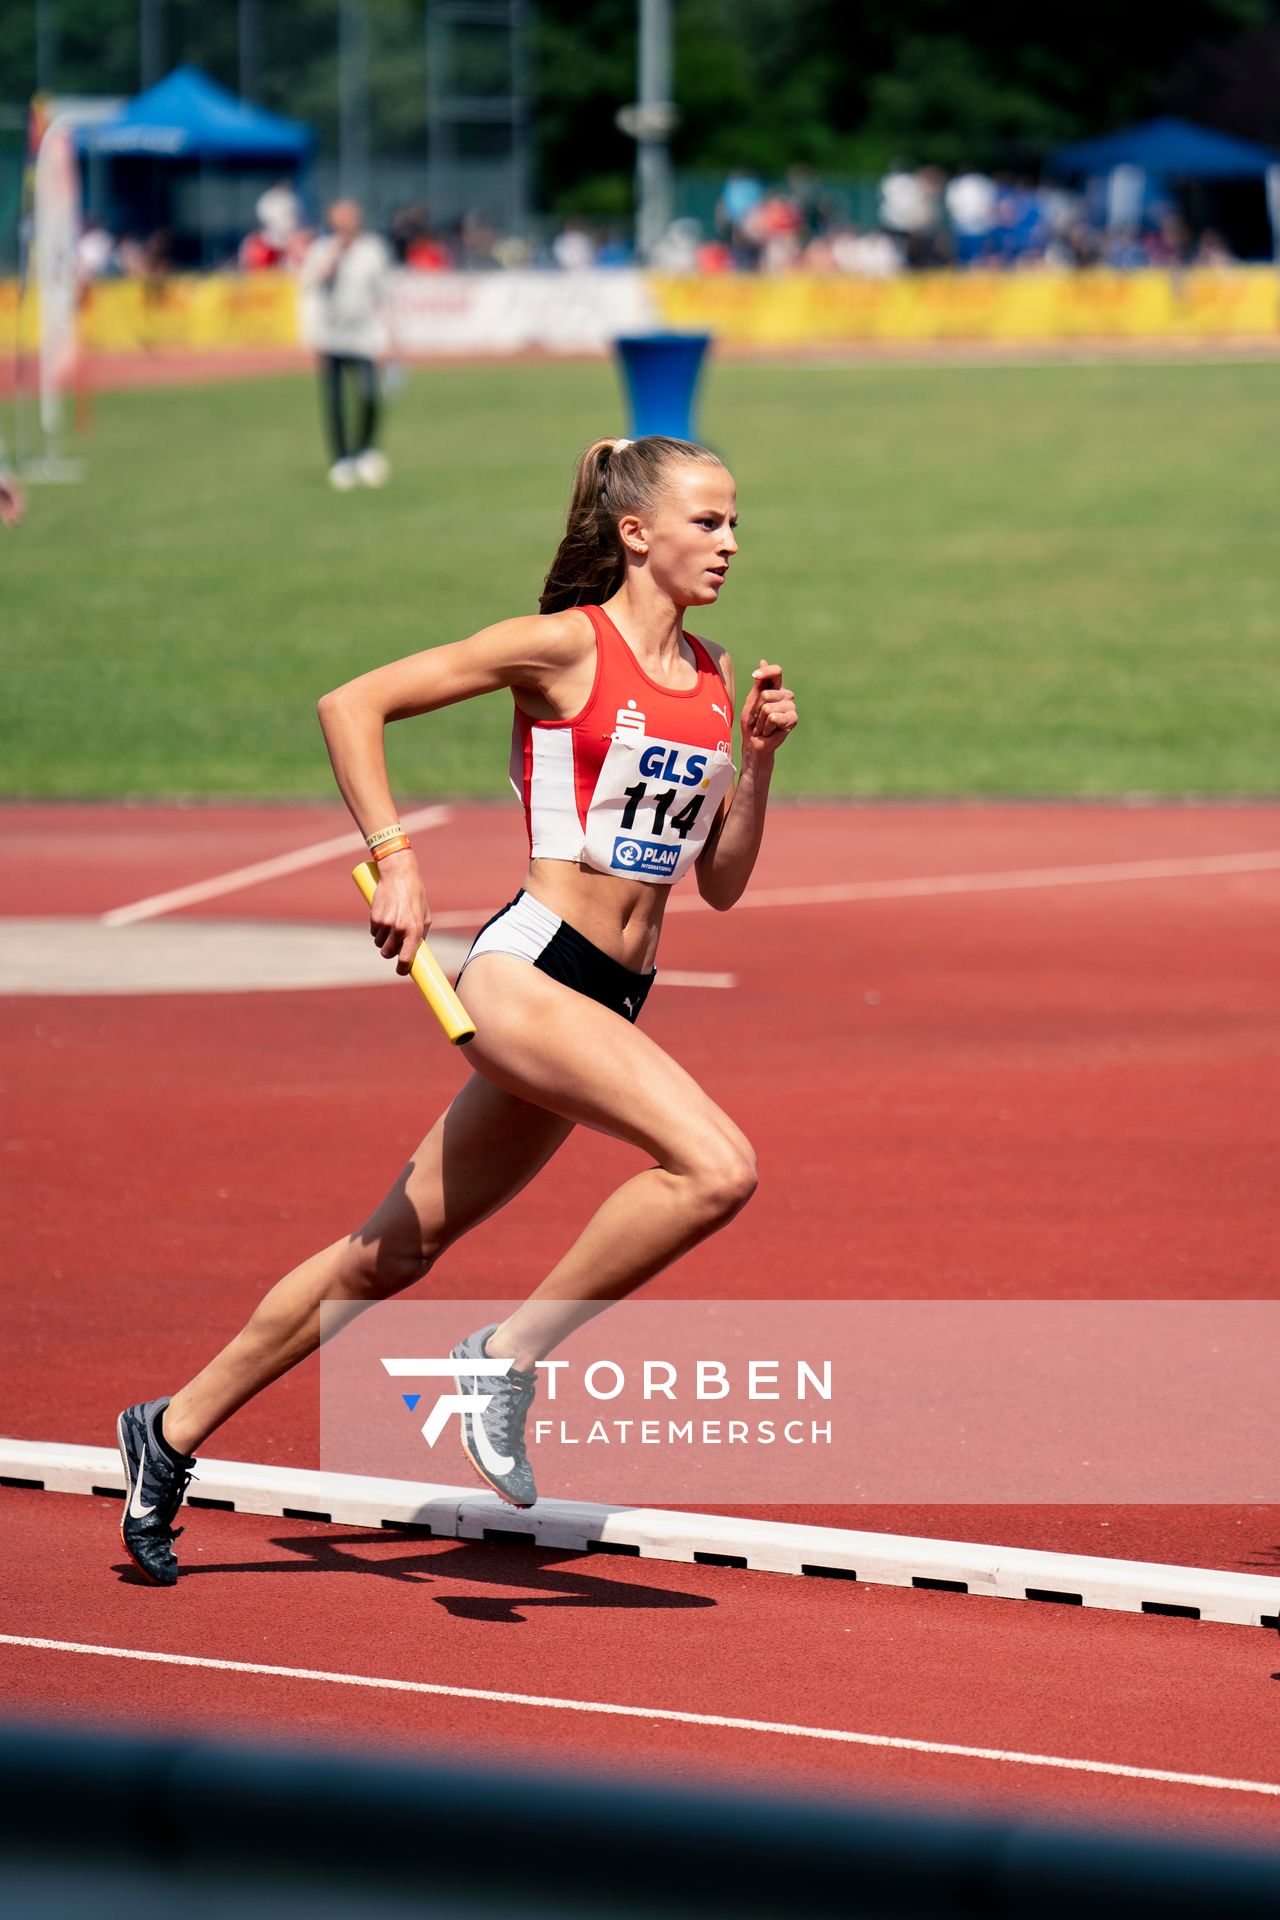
(344, 315)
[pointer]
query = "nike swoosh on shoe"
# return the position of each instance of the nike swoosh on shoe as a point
(136, 1508)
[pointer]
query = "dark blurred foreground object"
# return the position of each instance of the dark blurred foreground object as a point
(140, 1826)
(660, 374)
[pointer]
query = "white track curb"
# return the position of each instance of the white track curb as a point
(767, 1546)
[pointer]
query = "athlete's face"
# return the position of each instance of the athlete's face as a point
(688, 533)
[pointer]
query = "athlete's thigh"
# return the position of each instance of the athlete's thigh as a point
(542, 1041)
(486, 1146)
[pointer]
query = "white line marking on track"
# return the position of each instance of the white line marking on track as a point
(944, 883)
(252, 876)
(675, 977)
(1113, 1768)
(1188, 867)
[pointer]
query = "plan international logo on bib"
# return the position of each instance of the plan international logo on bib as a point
(643, 856)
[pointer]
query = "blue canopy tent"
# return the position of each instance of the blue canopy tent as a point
(183, 128)
(1169, 149)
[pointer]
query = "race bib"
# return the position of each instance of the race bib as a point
(653, 807)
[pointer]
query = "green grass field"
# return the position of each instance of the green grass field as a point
(1002, 580)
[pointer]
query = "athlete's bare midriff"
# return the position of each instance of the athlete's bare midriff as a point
(622, 917)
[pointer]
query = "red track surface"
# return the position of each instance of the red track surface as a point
(1057, 1091)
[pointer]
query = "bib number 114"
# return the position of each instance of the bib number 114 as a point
(662, 805)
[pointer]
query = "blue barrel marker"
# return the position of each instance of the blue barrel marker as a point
(660, 378)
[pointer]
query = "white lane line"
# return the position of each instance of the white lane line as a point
(938, 884)
(674, 977)
(460, 918)
(313, 856)
(1112, 1768)
(944, 883)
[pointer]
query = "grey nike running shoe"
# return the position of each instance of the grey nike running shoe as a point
(154, 1482)
(493, 1434)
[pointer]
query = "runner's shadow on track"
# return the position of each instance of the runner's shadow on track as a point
(556, 1577)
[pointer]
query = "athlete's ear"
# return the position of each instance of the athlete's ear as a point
(632, 532)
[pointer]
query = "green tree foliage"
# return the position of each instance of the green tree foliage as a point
(769, 83)
(760, 83)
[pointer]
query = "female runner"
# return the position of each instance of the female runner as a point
(622, 753)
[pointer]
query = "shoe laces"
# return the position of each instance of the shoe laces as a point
(165, 1510)
(511, 1403)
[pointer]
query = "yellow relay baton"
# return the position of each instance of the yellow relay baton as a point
(426, 973)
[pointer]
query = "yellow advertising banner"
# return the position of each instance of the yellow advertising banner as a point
(759, 310)
(192, 310)
(223, 312)
(204, 312)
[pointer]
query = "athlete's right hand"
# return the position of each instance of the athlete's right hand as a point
(399, 914)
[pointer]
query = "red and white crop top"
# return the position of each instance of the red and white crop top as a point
(632, 784)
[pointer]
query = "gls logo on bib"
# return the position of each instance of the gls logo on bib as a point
(644, 857)
(663, 763)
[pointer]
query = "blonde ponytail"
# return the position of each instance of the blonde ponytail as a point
(612, 477)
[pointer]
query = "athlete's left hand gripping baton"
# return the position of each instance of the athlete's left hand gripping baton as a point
(426, 973)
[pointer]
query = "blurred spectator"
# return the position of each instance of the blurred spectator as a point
(818, 256)
(344, 312)
(573, 248)
(1019, 226)
(279, 215)
(407, 225)
(714, 256)
(872, 256)
(278, 240)
(1170, 243)
(415, 245)
(615, 250)
(904, 207)
(95, 254)
(804, 191)
(476, 242)
(739, 198)
(1084, 245)
(428, 254)
(148, 259)
(512, 250)
(911, 210)
(1124, 249)
(970, 200)
(1212, 250)
(257, 252)
(677, 251)
(132, 257)
(777, 224)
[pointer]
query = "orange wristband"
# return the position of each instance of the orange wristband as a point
(402, 845)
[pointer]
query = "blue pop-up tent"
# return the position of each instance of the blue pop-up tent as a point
(186, 126)
(1170, 149)
(187, 116)
(1174, 149)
